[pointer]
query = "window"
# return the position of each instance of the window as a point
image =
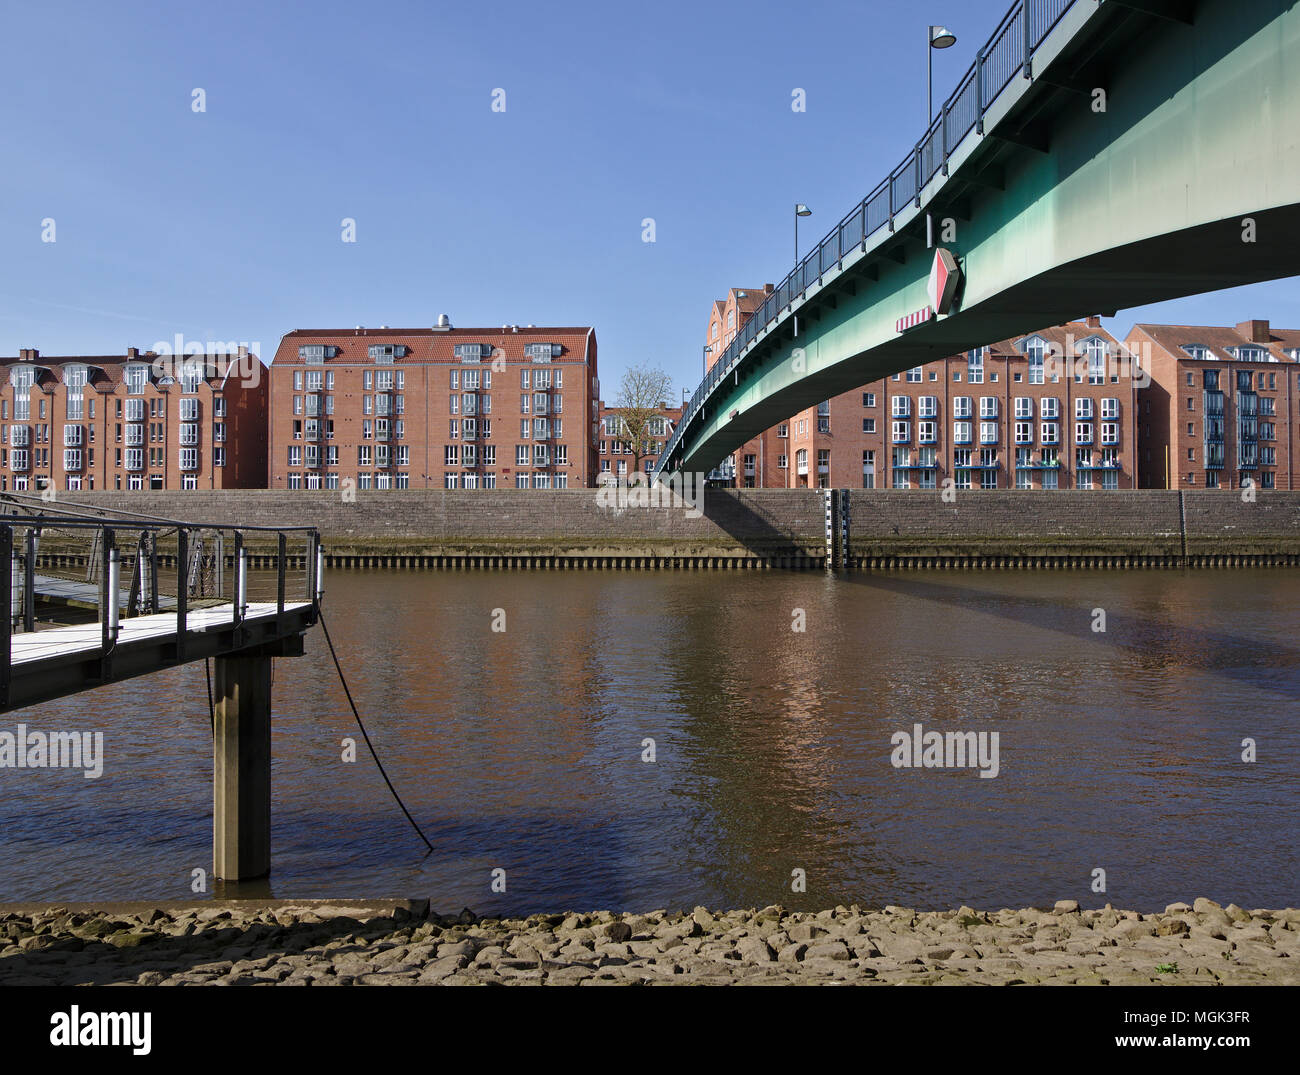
(975, 366)
(961, 432)
(1035, 349)
(1024, 432)
(1197, 351)
(1024, 407)
(1049, 432)
(927, 432)
(189, 409)
(1082, 432)
(868, 399)
(961, 407)
(914, 375)
(1094, 349)
(988, 406)
(868, 425)
(1110, 432)
(1109, 409)
(137, 376)
(928, 406)
(988, 432)
(902, 432)
(1083, 407)
(900, 406)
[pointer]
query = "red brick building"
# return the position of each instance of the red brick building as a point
(1222, 407)
(616, 461)
(1054, 409)
(133, 421)
(440, 407)
(754, 464)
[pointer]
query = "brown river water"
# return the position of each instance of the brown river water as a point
(522, 749)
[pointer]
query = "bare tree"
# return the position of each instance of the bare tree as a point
(642, 396)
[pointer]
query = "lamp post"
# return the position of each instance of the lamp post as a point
(708, 350)
(799, 210)
(937, 37)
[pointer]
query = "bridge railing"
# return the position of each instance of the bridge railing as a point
(1008, 52)
(90, 575)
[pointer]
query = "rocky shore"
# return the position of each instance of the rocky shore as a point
(317, 942)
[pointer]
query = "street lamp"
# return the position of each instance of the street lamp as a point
(708, 350)
(938, 37)
(799, 210)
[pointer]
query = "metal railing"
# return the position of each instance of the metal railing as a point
(1009, 52)
(87, 575)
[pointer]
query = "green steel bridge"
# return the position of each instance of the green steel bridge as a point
(1099, 154)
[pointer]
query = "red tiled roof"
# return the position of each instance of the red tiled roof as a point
(434, 345)
(1173, 338)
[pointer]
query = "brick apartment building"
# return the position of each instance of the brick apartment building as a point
(616, 461)
(726, 318)
(1054, 409)
(1222, 407)
(440, 407)
(132, 421)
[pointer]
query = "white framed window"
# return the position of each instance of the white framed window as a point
(133, 410)
(1110, 432)
(902, 432)
(1024, 407)
(1082, 432)
(72, 436)
(961, 432)
(961, 407)
(1049, 407)
(927, 407)
(1109, 409)
(1024, 432)
(190, 432)
(134, 458)
(988, 432)
(927, 432)
(988, 406)
(900, 406)
(1082, 407)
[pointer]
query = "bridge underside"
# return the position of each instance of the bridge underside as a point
(1187, 182)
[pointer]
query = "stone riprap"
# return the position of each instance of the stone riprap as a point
(320, 943)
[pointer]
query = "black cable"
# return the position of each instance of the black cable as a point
(365, 736)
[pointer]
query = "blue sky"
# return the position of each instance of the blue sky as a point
(226, 224)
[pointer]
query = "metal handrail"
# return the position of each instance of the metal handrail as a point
(1009, 51)
(142, 596)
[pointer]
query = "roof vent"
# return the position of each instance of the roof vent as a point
(444, 321)
(383, 326)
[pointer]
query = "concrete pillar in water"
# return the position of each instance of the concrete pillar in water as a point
(241, 775)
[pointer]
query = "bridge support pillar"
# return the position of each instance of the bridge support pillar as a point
(241, 773)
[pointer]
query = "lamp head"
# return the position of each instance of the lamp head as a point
(941, 37)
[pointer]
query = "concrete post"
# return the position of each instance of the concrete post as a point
(241, 771)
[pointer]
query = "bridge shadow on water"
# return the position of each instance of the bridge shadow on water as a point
(1150, 643)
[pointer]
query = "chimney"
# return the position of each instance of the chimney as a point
(768, 289)
(1255, 331)
(444, 322)
(132, 352)
(1094, 321)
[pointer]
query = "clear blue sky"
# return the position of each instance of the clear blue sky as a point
(225, 225)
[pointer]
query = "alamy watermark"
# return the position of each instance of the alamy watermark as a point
(684, 489)
(919, 749)
(25, 749)
(227, 359)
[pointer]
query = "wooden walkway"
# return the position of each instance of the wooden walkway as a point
(86, 639)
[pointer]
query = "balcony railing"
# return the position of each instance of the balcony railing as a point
(1007, 53)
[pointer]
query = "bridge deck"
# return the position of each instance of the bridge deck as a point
(85, 639)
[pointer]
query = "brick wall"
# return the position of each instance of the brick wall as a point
(769, 522)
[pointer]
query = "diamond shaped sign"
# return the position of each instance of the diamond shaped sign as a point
(944, 276)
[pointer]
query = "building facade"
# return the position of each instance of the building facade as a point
(616, 462)
(1222, 407)
(133, 421)
(440, 407)
(1054, 409)
(754, 464)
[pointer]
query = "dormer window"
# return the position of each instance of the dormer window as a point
(75, 377)
(137, 376)
(385, 352)
(1035, 350)
(22, 377)
(1198, 351)
(1094, 349)
(1249, 354)
(191, 374)
(315, 353)
(541, 352)
(470, 352)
